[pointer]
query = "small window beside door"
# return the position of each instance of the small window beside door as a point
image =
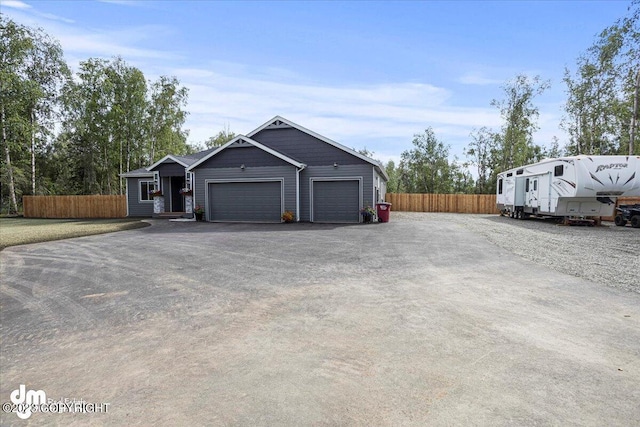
(145, 188)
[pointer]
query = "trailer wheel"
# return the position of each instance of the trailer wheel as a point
(620, 221)
(635, 221)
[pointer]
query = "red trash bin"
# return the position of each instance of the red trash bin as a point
(383, 209)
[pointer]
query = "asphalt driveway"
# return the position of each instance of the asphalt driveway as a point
(405, 323)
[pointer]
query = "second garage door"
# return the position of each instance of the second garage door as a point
(336, 201)
(245, 201)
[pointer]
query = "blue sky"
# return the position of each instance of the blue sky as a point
(365, 74)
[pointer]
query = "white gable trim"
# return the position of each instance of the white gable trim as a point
(321, 138)
(255, 144)
(167, 157)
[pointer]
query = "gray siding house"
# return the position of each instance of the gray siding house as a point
(280, 166)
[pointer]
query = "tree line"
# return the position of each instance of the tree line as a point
(75, 134)
(66, 133)
(600, 118)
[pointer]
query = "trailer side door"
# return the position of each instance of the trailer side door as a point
(532, 189)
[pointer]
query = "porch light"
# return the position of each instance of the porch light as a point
(242, 166)
(335, 165)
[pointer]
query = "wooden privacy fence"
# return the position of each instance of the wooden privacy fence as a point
(461, 203)
(75, 206)
(452, 203)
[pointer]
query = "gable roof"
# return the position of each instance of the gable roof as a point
(177, 159)
(280, 122)
(242, 138)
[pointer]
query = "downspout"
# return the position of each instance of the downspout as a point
(373, 187)
(193, 193)
(298, 170)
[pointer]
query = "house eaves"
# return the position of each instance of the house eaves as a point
(281, 119)
(251, 142)
(137, 173)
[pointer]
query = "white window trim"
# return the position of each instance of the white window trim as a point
(150, 184)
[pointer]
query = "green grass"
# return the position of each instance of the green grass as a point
(21, 231)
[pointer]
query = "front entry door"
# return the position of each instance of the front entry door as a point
(177, 199)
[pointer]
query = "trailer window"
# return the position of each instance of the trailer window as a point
(519, 171)
(500, 186)
(558, 170)
(526, 186)
(509, 174)
(535, 185)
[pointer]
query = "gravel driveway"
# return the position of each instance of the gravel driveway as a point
(431, 319)
(606, 254)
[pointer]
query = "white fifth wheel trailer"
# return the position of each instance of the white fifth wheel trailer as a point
(568, 186)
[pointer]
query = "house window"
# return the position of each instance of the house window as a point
(145, 187)
(500, 186)
(558, 170)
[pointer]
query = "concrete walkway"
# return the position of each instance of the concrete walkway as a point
(406, 323)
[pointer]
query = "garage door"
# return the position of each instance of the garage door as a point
(245, 201)
(336, 201)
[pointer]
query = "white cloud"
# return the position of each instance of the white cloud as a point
(16, 4)
(24, 7)
(52, 17)
(80, 43)
(479, 80)
(112, 43)
(120, 2)
(380, 116)
(383, 117)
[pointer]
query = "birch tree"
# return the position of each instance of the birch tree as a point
(519, 115)
(32, 72)
(602, 103)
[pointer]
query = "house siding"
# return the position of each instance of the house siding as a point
(321, 160)
(305, 148)
(380, 185)
(363, 171)
(135, 207)
(233, 157)
(288, 173)
(170, 168)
